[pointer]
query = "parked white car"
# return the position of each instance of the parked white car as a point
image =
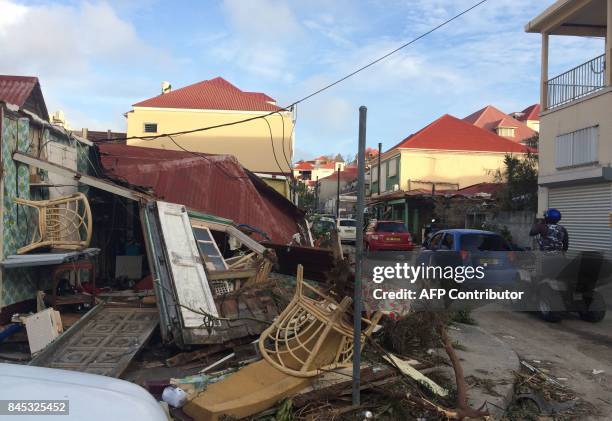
(347, 229)
(89, 396)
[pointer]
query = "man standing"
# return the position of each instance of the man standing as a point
(551, 235)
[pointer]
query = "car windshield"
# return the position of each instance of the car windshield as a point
(483, 242)
(347, 222)
(391, 227)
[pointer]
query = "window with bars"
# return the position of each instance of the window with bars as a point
(150, 127)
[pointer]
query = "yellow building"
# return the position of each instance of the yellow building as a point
(576, 126)
(448, 154)
(264, 145)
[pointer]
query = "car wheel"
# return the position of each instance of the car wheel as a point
(595, 308)
(550, 304)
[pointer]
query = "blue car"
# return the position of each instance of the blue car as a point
(469, 247)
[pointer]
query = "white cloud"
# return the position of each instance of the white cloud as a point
(79, 53)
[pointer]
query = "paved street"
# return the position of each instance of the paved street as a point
(571, 349)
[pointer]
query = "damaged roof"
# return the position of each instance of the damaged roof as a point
(25, 92)
(214, 184)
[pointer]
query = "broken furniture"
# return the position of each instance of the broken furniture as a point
(314, 333)
(56, 300)
(104, 341)
(42, 329)
(63, 261)
(63, 223)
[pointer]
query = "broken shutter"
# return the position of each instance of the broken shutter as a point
(208, 249)
(189, 278)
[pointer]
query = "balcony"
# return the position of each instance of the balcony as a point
(576, 83)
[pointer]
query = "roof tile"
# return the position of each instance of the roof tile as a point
(490, 118)
(213, 94)
(452, 134)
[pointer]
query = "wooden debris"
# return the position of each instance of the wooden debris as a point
(406, 368)
(42, 328)
(187, 357)
(339, 382)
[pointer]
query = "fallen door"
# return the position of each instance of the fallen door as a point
(191, 287)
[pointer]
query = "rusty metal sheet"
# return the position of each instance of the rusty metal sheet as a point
(103, 342)
(215, 184)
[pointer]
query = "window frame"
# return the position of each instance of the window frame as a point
(144, 127)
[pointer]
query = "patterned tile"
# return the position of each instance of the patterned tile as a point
(105, 344)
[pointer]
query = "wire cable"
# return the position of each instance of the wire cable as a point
(273, 149)
(318, 91)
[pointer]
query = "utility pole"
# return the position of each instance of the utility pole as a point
(378, 168)
(359, 257)
(338, 193)
(317, 195)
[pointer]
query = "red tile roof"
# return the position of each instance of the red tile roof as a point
(452, 134)
(303, 166)
(216, 185)
(213, 94)
(530, 113)
(490, 118)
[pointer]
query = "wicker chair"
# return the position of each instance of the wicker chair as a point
(63, 223)
(313, 332)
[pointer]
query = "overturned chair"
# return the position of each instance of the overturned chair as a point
(314, 332)
(312, 335)
(63, 223)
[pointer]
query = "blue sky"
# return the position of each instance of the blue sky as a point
(95, 59)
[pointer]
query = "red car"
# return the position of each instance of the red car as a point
(387, 235)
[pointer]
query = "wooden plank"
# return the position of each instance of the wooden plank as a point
(231, 274)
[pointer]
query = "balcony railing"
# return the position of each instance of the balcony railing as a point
(576, 83)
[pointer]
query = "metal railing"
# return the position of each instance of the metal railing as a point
(577, 83)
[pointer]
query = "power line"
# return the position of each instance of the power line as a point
(326, 87)
(273, 149)
(390, 53)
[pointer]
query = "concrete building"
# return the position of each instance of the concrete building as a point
(263, 145)
(576, 125)
(442, 158)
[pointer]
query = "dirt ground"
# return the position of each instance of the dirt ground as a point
(570, 350)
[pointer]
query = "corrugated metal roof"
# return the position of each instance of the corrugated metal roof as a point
(214, 184)
(16, 89)
(213, 94)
